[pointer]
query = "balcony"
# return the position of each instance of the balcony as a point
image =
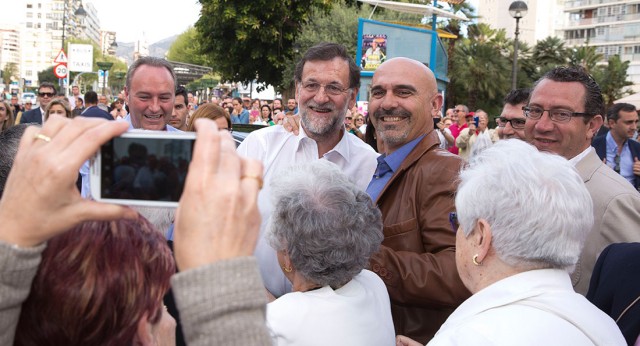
(621, 18)
(630, 57)
(573, 5)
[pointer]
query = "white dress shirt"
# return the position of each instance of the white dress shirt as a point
(537, 307)
(278, 149)
(357, 313)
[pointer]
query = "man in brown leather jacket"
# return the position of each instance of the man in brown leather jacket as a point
(414, 188)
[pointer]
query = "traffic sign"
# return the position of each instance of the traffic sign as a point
(60, 70)
(60, 58)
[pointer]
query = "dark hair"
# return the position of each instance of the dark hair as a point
(270, 112)
(370, 134)
(328, 51)
(613, 113)
(48, 85)
(238, 99)
(149, 61)
(9, 141)
(517, 96)
(180, 90)
(593, 102)
(95, 283)
(91, 97)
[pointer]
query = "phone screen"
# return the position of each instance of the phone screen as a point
(476, 121)
(148, 169)
(435, 122)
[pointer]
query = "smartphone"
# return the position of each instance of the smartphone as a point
(142, 168)
(476, 121)
(435, 122)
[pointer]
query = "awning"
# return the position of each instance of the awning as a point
(632, 99)
(425, 10)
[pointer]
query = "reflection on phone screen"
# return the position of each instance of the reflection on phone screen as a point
(145, 169)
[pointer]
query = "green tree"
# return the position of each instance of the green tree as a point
(548, 54)
(186, 48)
(47, 75)
(454, 26)
(612, 79)
(253, 39)
(483, 67)
(9, 73)
(324, 27)
(585, 56)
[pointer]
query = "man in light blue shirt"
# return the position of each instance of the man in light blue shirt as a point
(150, 94)
(617, 148)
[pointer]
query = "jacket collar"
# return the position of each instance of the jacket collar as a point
(429, 142)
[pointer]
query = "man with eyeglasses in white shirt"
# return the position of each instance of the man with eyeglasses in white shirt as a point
(327, 82)
(511, 121)
(563, 115)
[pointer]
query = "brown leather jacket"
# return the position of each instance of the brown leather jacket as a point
(417, 257)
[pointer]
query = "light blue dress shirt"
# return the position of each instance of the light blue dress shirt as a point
(394, 160)
(626, 160)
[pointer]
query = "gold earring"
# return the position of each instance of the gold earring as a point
(475, 260)
(288, 270)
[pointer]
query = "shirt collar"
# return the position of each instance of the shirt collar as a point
(342, 148)
(611, 143)
(395, 159)
(574, 161)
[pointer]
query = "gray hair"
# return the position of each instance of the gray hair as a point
(538, 207)
(9, 142)
(149, 61)
(328, 226)
(160, 218)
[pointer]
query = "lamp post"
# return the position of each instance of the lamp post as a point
(104, 66)
(80, 13)
(517, 10)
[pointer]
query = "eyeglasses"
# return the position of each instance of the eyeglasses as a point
(359, 119)
(459, 110)
(557, 115)
(453, 220)
(330, 89)
(348, 118)
(46, 94)
(516, 123)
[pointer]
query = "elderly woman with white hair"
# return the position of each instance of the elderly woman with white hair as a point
(524, 216)
(324, 230)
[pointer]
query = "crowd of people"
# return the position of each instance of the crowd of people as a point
(328, 226)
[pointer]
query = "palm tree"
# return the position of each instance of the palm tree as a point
(548, 54)
(585, 56)
(483, 65)
(612, 79)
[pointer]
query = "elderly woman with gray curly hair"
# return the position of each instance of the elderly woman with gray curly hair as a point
(324, 230)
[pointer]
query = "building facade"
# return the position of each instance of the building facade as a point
(41, 33)
(10, 49)
(542, 20)
(612, 26)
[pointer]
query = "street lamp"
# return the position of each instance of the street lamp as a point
(80, 13)
(517, 10)
(104, 66)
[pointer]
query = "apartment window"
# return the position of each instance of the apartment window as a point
(29, 14)
(29, 73)
(39, 15)
(628, 50)
(29, 25)
(38, 26)
(636, 49)
(29, 6)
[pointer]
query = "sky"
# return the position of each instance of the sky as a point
(158, 19)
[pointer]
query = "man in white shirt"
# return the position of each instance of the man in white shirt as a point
(563, 115)
(327, 81)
